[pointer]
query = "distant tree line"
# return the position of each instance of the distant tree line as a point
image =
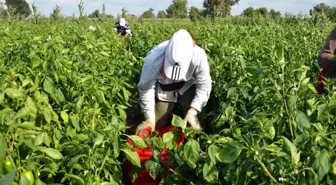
(322, 8)
(261, 12)
(177, 9)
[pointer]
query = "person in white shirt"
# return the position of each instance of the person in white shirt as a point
(175, 71)
(122, 27)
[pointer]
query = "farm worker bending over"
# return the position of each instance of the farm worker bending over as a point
(122, 27)
(325, 58)
(175, 71)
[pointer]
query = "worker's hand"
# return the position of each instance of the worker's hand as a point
(192, 119)
(149, 123)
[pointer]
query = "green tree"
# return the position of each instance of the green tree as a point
(195, 14)
(161, 14)
(216, 8)
(148, 13)
(249, 12)
(320, 8)
(56, 14)
(332, 14)
(95, 14)
(109, 16)
(20, 7)
(274, 14)
(324, 10)
(178, 9)
(224, 10)
(263, 12)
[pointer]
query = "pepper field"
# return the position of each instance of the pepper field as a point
(65, 94)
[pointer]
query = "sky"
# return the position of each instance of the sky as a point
(137, 7)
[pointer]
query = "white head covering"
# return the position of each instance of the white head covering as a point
(122, 22)
(178, 55)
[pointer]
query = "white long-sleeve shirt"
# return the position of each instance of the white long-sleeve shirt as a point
(198, 74)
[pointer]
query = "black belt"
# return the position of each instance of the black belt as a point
(172, 87)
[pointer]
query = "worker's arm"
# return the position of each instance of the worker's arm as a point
(327, 52)
(202, 82)
(149, 73)
(125, 36)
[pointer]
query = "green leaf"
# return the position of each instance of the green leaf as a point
(55, 93)
(2, 97)
(137, 141)
(59, 96)
(48, 86)
(280, 54)
(132, 157)
(126, 94)
(292, 99)
(18, 94)
(229, 153)
(232, 93)
(269, 131)
(288, 146)
(80, 137)
(8, 179)
(154, 168)
(104, 54)
(46, 139)
(116, 145)
(65, 117)
(224, 140)
(301, 140)
(79, 104)
(24, 180)
(178, 122)
(272, 148)
(168, 139)
(191, 152)
(310, 178)
(28, 110)
(122, 113)
(24, 112)
(47, 115)
(321, 110)
(302, 121)
(75, 121)
(210, 172)
(3, 149)
(334, 167)
(101, 96)
(229, 112)
(156, 154)
(30, 104)
(54, 154)
(98, 140)
(321, 163)
(291, 149)
(39, 182)
(39, 139)
(28, 125)
(213, 150)
(75, 177)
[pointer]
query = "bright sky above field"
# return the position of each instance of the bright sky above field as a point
(137, 7)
